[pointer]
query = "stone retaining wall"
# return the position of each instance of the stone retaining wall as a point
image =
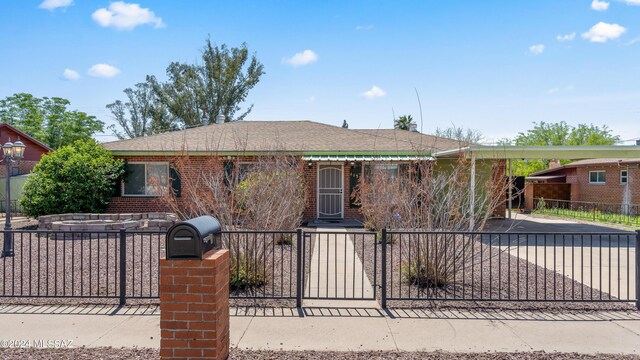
(106, 222)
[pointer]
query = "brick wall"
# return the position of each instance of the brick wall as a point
(24, 167)
(612, 191)
(499, 175)
(194, 307)
(127, 204)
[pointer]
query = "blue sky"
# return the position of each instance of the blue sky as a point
(494, 66)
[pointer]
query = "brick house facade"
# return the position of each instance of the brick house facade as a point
(33, 152)
(604, 181)
(340, 155)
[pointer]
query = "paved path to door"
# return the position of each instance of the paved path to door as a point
(597, 261)
(342, 329)
(335, 270)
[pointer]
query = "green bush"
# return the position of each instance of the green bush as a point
(246, 272)
(424, 273)
(75, 178)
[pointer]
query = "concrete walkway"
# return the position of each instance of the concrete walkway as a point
(342, 329)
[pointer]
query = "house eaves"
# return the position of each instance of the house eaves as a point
(543, 152)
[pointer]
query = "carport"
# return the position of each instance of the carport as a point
(510, 152)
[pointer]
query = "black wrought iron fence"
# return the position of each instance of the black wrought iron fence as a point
(15, 207)
(263, 264)
(628, 214)
(105, 264)
(396, 265)
(125, 264)
(549, 267)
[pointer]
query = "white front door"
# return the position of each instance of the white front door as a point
(330, 189)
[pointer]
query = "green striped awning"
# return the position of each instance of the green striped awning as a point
(366, 158)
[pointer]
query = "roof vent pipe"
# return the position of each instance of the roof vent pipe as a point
(220, 119)
(413, 127)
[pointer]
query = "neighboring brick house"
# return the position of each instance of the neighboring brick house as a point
(605, 181)
(340, 156)
(32, 153)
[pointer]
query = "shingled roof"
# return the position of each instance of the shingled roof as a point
(291, 136)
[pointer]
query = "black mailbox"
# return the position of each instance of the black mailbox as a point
(190, 239)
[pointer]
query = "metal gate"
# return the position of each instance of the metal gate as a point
(339, 265)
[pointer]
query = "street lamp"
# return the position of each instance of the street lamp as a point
(12, 152)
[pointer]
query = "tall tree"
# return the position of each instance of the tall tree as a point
(402, 122)
(48, 119)
(217, 86)
(461, 134)
(345, 124)
(141, 115)
(559, 134)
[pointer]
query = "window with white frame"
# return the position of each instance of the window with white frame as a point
(624, 177)
(597, 177)
(145, 179)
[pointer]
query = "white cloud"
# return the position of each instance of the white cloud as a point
(632, 2)
(364, 27)
(536, 49)
(302, 58)
(374, 92)
(632, 42)
(311, 99)
(599, 5)
(566, 37)
(70, 74)
(103, 70)
(603, 32)
(556, 90)
(125, 16)
(54, 4)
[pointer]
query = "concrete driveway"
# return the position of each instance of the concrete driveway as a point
(605, 261)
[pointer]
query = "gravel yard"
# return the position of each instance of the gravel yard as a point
(73, 269)
(496, 277)
(144, 354)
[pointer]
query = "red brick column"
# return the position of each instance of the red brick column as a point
(528, 196)
(194, 307)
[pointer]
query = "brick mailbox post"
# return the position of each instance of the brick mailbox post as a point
(194, 301)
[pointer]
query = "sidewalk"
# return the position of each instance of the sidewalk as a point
(341, 329)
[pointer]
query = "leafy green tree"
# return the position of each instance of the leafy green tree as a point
(74, 178)
(468, 136)
(48, 119)
(402, 122)
(141, 115)
(217, 86)
(558, 134)
(345, 124)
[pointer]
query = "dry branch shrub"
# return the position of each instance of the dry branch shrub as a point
(267, 194)
(433, 200)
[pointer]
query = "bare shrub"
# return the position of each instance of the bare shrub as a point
(265, 192)
(436, 198)
(272, 194)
